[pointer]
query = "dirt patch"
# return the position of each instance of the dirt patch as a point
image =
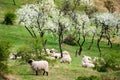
(8, 77)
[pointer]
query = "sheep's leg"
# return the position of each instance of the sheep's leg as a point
(36, 73)
(47, 73)
(44, 72)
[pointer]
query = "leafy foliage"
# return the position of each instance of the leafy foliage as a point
(9, 18)
(70, 39)
(88, 78)
(31, 51)
(4, 54)
(110, 62)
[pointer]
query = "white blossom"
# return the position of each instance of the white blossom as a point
(27, 13)
(107, 19)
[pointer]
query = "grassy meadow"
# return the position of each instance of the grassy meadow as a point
(19, 36)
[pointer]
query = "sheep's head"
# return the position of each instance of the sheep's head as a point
(30, 61)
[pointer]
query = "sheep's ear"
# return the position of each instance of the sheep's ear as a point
(30, 61)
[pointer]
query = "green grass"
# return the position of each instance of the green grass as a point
(7, 5)
(18, 36)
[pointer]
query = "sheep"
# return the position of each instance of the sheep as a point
(95, 60)
(87, 64)
(87, 61)
(98, 60)
(65, 53)
(56, 55)
(39, 65)
(53, 50)
(66, 58)
(14, 56)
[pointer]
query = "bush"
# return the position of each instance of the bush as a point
(110, 62)
(9, 18)
(70, 40)
(4, 55)
(25, 53)
(88, 78)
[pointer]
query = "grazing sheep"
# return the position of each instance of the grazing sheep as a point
(66, 58)
(48, 51)
(56, 55)
(65, 53)
(39, 65)
(53, 50)
(87, 61)
(14, 56)
(88, 64)
(95, 60)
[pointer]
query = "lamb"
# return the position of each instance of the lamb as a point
(39, 65)
(87, 61)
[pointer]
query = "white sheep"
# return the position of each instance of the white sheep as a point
(14, 56)
(66, 58)
(56, 55)
(87, 64)
(53, 50)
(39, 65)
(65, 53)
(87, 61)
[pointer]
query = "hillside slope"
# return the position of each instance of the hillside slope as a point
(100, 5)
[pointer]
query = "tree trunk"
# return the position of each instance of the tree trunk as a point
(43, 41)
(91, 41)
(29, 31)
(109, 42)
(80, 50)
(14, 2)
(44, 45)
(98, 43)
(60, 46)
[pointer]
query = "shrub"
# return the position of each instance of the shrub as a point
(4, 54)
(25, 53)
(109, 62)
(70, 39)
(9, 18)
(88, 78)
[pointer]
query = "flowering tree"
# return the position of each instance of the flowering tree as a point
(94, 30)
(117, 28)
(61, 24)
(108, 22)
(80, 21)
(81, 27)
(42, 17)
(35, 18)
